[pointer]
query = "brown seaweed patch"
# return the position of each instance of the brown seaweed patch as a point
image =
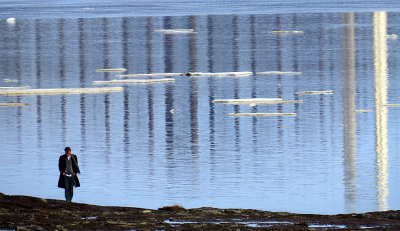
(172, 208)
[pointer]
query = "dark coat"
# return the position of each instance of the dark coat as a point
(62, 162)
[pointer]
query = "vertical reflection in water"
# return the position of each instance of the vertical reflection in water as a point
(149, 44)
(125, 49)
(194, 130)
(126, 96)
(236, 67)
(210, 42)
(380, 76)
(82, 66)
(296, 48)
(211, 89)
(19, 78)
(279, 78)
(253, 47)
(193, 45)
(107, 95)
(6, 44)
(236, 83)
(38, 83)
(125, 42)
(296, 83)
(331, 67)
(321, 71)
(150, 95)
(168, 48)
(349, 115)
(235, 44)
(279, 61)
(169, 119)
(61, 39)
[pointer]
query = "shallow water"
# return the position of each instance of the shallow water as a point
(166, 143)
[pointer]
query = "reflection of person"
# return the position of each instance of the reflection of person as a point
(68, 166)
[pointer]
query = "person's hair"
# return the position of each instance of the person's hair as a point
(66, 149)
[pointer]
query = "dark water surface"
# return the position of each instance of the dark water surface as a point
(122, 8)
(161, 144)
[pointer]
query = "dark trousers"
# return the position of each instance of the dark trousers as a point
(69, 187)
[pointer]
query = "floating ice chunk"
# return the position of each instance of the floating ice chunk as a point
(177, 31)
(122, 81)
(256, 101)
(220, 74)
(112, 70)
(174, 111)
(10, 80)
(286, 32)
(362, 110)
(279, 73)
(150, 75)
(314, 92)
(391, 36)
(12, 104)
(262, 114)
(60, 91)
(11, 20)
(249, 101)
(14, 88)
(289, 101)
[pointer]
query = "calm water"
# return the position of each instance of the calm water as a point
(166, 143)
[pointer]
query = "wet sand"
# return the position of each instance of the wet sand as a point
(32, 213)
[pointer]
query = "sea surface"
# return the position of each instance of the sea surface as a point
(168, 143)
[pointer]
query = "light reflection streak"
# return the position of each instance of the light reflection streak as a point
(380, 77)
(349, 115)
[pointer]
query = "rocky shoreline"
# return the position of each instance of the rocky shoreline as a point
(32, 213)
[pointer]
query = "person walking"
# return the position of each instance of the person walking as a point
(68, 166)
